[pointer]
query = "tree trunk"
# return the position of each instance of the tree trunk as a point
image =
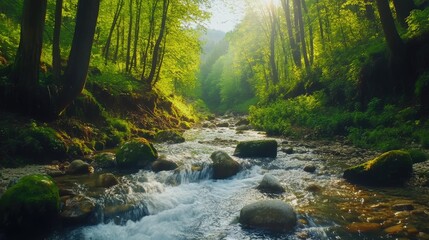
(273, 34)
(136, 33)
(78, 63)
(112, 28)
(394, 41)
(300, 22)
(25, 73)
(130, 29)
(403, 9)
(296, 54)
(150, 37)
(157, 48)
(56, 51)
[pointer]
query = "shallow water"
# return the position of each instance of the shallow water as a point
(188, 204)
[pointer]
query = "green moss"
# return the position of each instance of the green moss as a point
(390, 168)
(417, 155)
(41, 143)
(31, 204)
(78, 148)
(138, 153)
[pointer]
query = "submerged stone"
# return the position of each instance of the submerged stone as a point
(390, 168)
(107, 180)
(136, 154)
(30, 206)
(273, 215)
(223, 165)
(256, 148)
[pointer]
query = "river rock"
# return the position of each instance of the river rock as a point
(390, 168)
(242, 121)
(269, 214)
(270, 184)
(105, 160)
(163, 165)
(78, 210)
(223, 165)
(256, 148)
(107, 180)
(169, 137)
(243, 128)
(79, 167)
(30, 206)
(136, 154)
(222, 124)
(363, 227)
(310, 168)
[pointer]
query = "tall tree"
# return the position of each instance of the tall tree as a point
(403, 9)
(157, 49)
(78, 63)
(394, 41)
(27, 61)
(296, 53)
(56, 51)
(116, 15)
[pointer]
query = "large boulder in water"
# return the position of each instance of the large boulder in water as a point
(223, 165)
(136, 154)
(105, 160)
(31, 206)
(269, 214)
(169, 137)
(256, 148)
(390, 168)
(163, 165)
(79, 167)
(270, 184)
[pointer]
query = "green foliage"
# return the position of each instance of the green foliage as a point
(383, 127)
(417, 155)
(421, 84)
(418, 22)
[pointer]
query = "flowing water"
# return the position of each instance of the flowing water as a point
(188, 204)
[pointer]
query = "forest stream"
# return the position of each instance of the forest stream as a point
(188, 204)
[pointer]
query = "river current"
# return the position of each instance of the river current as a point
(188, 204)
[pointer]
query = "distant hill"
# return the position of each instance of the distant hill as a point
(211, 39)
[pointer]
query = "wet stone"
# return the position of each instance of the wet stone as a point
(403, 207)
(360, 227)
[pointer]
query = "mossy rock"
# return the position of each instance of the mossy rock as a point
(136, 154)
(417, 155)
(78, 167)
(169, 137)
(105, 160)
(30, 206)
(257, 148)
(223, 165)
(390, 168)
(42, 143)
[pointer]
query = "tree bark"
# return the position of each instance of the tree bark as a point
(25, 73)
(130, 29)
(273, 34)
(56, 51)
(403, 9)
(300, 22)
(112, 28)
(157, 48)
(78, 63)
(296, 53)
(394, 41)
